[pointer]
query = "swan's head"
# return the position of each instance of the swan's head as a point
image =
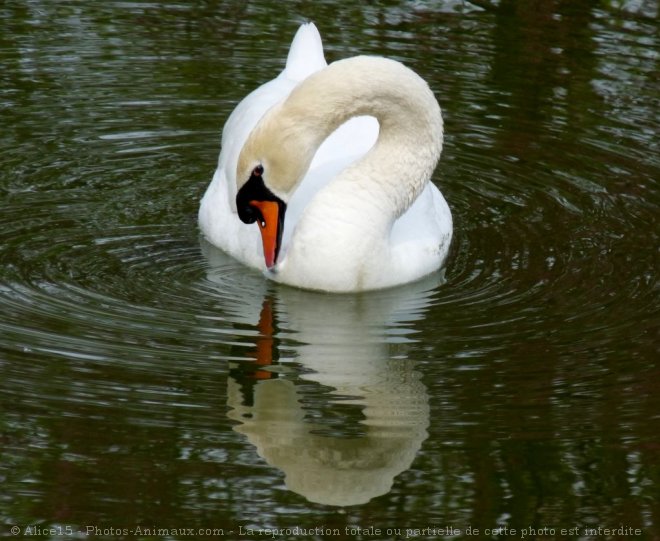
(272, 162)
(256, 203)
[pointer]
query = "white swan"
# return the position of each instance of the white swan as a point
(342, 203)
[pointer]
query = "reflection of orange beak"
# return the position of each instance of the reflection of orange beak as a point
(271, 225)
(266, 346)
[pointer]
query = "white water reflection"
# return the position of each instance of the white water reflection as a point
(318, 356)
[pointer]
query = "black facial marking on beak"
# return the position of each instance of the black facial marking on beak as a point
(253, 190)
(255, 202)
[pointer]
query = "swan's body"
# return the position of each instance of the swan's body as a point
(360, 211)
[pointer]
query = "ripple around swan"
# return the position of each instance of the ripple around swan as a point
(64, 271)
(539, 248)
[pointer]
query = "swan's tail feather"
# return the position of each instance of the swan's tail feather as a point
(306, 53)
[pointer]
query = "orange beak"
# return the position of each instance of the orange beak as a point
(270, 225)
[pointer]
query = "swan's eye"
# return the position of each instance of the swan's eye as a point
(257, 171)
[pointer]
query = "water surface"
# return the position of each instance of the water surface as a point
(148, 380)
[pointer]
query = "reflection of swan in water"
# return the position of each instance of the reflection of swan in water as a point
(355, 345)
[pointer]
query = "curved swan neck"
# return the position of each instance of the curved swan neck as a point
(404, 156)
(411, 130)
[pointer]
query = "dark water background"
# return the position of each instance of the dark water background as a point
(148, 381)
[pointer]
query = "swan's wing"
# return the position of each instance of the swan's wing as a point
(422, 235)
(344, 146)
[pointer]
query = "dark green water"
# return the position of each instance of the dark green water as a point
(148, 381)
